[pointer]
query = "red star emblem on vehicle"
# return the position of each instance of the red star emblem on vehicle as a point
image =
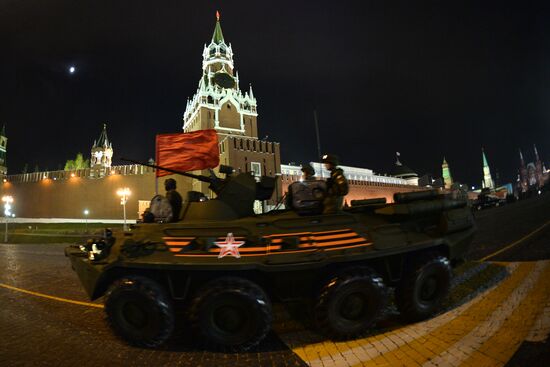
(229, 246)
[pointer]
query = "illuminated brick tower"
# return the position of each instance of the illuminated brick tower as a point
(446, 174)
(487, 182)
(3, 150)
(220, 104)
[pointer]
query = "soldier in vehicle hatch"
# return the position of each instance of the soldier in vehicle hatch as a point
(308, 172)
(174, 198)
(337, 185)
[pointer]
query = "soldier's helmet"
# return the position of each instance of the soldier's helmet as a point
(170, 184)
(331, 158)
(308, 170)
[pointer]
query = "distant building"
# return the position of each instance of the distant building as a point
(403, 172)
(429, 180)
(533, 175)
(487, 182)
(446, 174)
(351, 173)
(3, 151)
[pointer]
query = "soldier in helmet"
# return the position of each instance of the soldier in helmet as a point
(337, 185)
(308, 172)
(174, 198)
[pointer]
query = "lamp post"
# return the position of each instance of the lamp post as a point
(86, 212)
(124, 193)
(7, 199)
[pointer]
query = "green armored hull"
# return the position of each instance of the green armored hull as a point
(224, 266)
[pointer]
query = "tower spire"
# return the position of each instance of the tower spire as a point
(521, 158)
(217, 37)
(487, 178)
(536, 153)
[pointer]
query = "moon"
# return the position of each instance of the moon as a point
(72, 69)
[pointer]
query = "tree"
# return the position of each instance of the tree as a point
(25, 168)
(78, 163)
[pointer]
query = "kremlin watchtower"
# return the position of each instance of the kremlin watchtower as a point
(220, 104)
(102, 154)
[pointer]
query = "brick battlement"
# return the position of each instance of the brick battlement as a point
(90, 173)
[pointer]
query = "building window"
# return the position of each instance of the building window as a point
(256, 169)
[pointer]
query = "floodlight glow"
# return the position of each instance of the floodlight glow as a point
(86, 212)
(123, 192)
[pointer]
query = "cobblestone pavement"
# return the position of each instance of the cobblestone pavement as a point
(35, 331)
(486, 331)
(497, 315)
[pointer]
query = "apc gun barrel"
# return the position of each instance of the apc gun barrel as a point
(197, 177)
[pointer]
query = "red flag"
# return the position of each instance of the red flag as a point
(187, 151)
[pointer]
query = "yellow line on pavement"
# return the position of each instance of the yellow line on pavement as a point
(502, 345)
(527, 236)
(422, 349)
(89, 304)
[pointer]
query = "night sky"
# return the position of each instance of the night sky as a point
(428, 79)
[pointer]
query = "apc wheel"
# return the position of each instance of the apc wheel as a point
(139, 311)
(423, 287)
(350, 303)
(231, 313)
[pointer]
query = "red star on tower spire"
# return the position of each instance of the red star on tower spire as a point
(217, 15)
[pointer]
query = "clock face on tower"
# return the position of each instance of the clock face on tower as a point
(98, 155)
(224, 80)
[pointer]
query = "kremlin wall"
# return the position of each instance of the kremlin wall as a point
(220, 104)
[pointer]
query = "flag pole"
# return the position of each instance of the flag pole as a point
(318, 139)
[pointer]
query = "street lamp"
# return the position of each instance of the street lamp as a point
(124, 193)
(86, 212)
(7, 199)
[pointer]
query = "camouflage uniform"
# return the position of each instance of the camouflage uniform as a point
(337, 186)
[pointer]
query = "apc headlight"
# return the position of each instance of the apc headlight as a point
(95, 249)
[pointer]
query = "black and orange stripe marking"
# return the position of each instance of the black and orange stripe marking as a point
(309, 241)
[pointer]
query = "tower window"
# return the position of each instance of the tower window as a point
(228, 106)
(210, 99)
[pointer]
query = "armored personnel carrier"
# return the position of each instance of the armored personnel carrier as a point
(222, 266)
